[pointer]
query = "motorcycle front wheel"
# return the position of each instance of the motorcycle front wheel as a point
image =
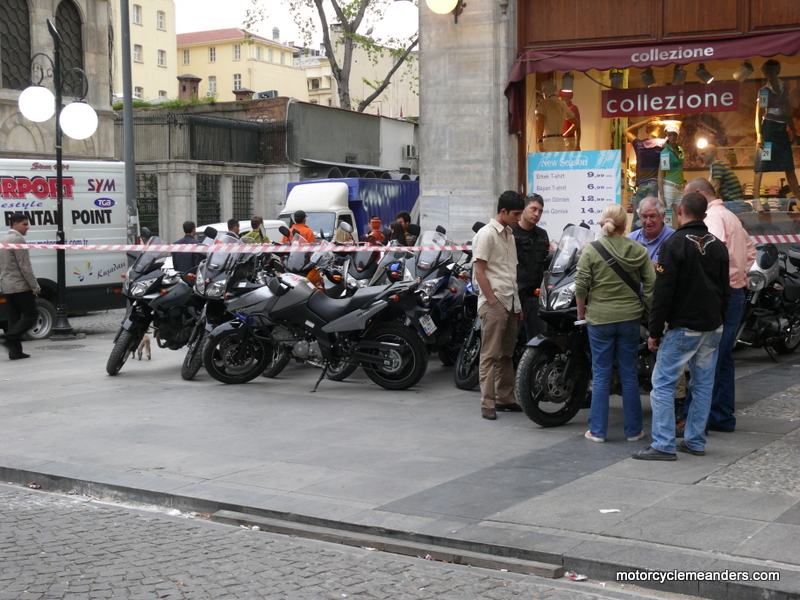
(231, 360)
(408, 358)
(126, 343)
(194, 358)
(789, 343)
(545, 397)
(279, 357)
(466, 373)
(339, 371)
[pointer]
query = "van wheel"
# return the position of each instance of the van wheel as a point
(45, 321)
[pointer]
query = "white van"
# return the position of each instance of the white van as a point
(94, 213)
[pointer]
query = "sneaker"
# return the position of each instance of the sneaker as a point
(593, 438)
(682, 447)
(680, 427)
(636, 438)
(650, 453)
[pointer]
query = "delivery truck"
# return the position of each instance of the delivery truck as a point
(354, 200)
(93, 196)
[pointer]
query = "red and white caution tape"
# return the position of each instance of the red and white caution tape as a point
(237, 248)
(776, 239)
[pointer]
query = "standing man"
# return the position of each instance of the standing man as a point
(726, 227)
(533, 246)
(300, 227)
(255, 236)
(186, 262)
(233, 227)
(494, 253)
(725, 184)
(654, 231)
(550, 116)
(19, 285)
(691, 294)
(404, 218)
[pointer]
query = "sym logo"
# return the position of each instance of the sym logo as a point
(104, 202)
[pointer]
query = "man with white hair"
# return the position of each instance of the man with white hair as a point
(551, 112)
(654, 231)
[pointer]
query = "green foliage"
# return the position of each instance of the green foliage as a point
(176, 103)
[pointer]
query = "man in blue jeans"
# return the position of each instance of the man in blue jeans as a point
(691, 294)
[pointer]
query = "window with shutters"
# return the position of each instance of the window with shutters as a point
(68, 24)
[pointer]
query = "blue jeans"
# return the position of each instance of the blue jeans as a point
(610, 341)
(679, 346)
(723, 396)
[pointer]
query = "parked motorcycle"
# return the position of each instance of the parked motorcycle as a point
(373, 328)
(163, 299)
(771, 318)
(554, 373)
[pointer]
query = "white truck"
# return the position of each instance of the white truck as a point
(94, 213)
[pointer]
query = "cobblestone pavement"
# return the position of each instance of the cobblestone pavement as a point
(59, 547)
(106, 321)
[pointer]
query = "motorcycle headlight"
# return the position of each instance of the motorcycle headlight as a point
(756, 282)
(216, 289)
(543, 297)
(564, 297)
(428, 287)
(139, 288)
(200, 286)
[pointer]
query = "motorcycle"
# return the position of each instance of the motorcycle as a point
(163, 299)
(771, 318)
(373, 328)
(555, 370)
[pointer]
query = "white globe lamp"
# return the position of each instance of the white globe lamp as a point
(442, 7)
(37, 103)
(78, 120)
(403, 18)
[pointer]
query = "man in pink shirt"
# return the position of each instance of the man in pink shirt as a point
(726, 227)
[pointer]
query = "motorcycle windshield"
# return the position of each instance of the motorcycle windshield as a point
(363, 259)
(428, 260)
(221, 260)
(574, 240)
(297, 262)
(150, 260)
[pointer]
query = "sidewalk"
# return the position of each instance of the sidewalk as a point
(419, 465)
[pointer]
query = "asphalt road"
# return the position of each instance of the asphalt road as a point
(73, 547)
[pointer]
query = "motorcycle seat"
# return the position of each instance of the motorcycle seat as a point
(330, 309)
(791, 290)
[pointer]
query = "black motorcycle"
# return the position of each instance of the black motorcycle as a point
(771, 318)
(157, 297)
(553, 376)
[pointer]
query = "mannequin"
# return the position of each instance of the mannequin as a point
(571, 133)
(670, 172)
(648, 158)
(773, 115)
(550, 116)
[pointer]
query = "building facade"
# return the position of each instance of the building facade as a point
(228, 60)
(85, 27)
(154, 65)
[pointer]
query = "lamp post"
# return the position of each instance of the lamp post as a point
(79, 121)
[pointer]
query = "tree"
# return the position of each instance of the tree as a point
(349, 16)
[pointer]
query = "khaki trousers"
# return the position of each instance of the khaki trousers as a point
(498, 339)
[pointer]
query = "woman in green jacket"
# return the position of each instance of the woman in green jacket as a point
(613, 311)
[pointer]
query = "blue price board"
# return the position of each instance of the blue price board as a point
(576, 186)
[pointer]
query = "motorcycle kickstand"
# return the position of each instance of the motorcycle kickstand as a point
(321, 376)
(768, 348)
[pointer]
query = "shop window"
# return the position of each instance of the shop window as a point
(137, 14)
(137, 53)
(212, 54)
(162, 58)
(161, 20)
(15, 44)
(237, 52)
(186, 57)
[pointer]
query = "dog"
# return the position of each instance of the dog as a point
(144, 347)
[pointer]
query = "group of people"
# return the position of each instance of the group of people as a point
(686, 284)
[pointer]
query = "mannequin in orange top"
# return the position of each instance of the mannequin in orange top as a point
(375, 234)
(300, 227)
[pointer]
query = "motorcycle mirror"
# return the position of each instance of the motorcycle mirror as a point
(276, 288)
(210, 233)
(146, 233)
(345, 226)
(284, 230)
(414, 229)
(477, 226)
(409, 254)
(584, 225)
(440, 229)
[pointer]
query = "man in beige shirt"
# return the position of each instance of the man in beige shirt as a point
(494, 253)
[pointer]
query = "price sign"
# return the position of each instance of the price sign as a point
(576, 186)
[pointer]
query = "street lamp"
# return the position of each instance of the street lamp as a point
(79, 121)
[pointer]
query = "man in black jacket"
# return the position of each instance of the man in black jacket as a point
(186, 262)
(691, 294)
(533, 246)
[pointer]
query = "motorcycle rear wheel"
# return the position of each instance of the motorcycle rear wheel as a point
(545, 400)
(409, 361)
(194, 358)
(222, 361)
(790, 342)
(466, 373)
(125, 345)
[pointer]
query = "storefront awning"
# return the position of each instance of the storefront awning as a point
(624, 57)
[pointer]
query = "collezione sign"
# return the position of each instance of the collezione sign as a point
(671, 99)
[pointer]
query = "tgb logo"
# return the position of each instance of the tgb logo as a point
(102, 185)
